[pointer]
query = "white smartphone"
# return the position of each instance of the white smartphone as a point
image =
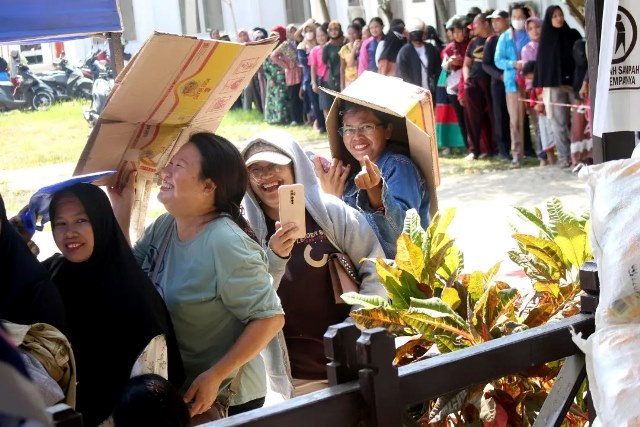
(291, 204)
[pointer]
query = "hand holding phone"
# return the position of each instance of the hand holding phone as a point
(291, 207)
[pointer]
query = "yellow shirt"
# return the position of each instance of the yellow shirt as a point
(350, 72)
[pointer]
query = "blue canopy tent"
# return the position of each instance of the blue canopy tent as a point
(42, 21)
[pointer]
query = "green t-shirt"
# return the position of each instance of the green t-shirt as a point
(213, 285)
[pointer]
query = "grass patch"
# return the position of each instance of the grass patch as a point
(37, 138)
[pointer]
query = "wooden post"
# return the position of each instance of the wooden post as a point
(116, 51)
(63, 415)
(612, 145)
(379, 383)
(340, 349)
(565, 387)
(144, 184)
(589, 283)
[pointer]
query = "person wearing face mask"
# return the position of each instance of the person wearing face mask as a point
(554, 73)
(507, 58)
(418, 62)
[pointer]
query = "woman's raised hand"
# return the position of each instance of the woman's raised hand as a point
(282, 241)
(369, 177)
(333, 180)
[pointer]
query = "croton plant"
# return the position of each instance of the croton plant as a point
(443, 309)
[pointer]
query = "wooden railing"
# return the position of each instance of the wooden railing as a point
(367, 390)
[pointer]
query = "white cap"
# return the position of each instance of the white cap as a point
(262, 152)
(416, 24)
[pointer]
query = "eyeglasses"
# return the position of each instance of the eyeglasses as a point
(334, 29)
(366, 129)
(257, 172)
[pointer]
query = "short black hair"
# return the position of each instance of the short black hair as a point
(529, 67)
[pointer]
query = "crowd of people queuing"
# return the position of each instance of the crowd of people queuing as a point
(505, 83)
(219, 300)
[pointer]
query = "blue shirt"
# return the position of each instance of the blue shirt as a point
(403, 188)
(507, 52)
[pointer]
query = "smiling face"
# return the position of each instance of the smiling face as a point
(72, 230)
(375, 29)
(265, 178)
(533, 30)
(362, 143)
(557, 20)
(183, 191)
(321, 37)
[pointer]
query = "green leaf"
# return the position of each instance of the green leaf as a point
(441, 221)
(539, 315)
(451, 297)
(413, 228)
(491, 273)
(572, 240)
(551, 287)
(390, 279)
(474, 283)
(546, 250)
(493, 306)
(364, 301)
(409, 257)
(536, 219)
(388, 318)
(434, 319)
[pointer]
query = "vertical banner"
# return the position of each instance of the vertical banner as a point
(618, 90)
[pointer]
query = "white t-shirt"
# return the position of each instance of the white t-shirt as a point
(422, 54)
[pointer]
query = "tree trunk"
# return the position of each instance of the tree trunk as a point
(324, 10)
(442, 15)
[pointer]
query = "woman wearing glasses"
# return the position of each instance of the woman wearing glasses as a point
(300, 267)
(371, 176)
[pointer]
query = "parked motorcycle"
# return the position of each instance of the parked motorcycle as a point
(26, 91)
(97, 63)
(101, 88)
(68, 82)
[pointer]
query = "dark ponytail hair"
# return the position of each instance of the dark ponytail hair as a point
(223, 164)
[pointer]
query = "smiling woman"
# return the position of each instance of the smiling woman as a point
(104, 293)
(386, 184)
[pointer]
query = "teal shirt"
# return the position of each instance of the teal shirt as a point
(213, 285)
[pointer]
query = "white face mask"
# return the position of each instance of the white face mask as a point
(518, 25)
(309, 35)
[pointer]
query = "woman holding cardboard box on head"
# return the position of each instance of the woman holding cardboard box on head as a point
(371, 171)
(301, 256)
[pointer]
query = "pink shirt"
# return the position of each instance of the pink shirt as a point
(363, 59)
(315, 58)
(528, 53)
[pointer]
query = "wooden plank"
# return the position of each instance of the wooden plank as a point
(589, 280)
(379, 384)
(337, 406)
(482, 363)
(565, 387)
(340, 349)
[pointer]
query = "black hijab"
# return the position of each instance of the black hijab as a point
(554, 63)
(113, 309)
(393, 41)
(27, 295)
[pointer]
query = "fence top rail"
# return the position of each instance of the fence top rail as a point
(484, 362)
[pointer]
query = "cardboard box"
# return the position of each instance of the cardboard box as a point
(173, 87)
(411, 111)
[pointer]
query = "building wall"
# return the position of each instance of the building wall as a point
(251, 13)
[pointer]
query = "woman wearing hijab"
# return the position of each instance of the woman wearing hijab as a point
(113, 310)
(27, 295)
(554, 72)
(276, 109)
